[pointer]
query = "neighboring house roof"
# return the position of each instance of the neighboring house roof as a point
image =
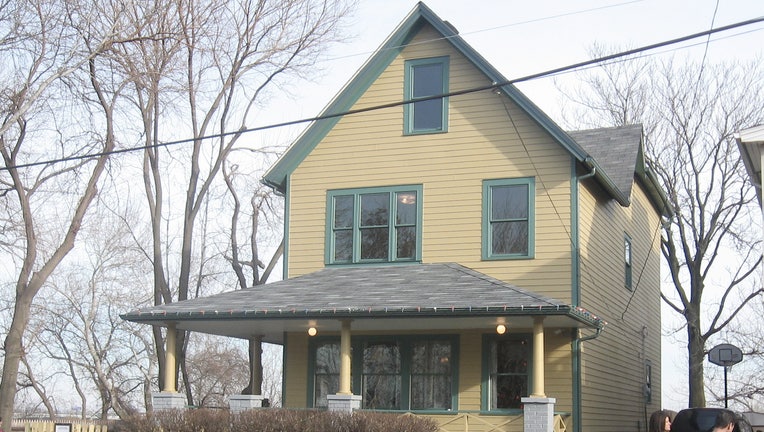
(616, 150)
(750, 142)
(277, 175)
(448, 291)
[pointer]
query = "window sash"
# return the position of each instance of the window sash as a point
(508, 218)
(425, 78)
(506, 370)
(374, 225)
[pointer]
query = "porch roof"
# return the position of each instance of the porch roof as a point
(401, 297)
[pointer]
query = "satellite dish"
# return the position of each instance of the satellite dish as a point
(725, 355)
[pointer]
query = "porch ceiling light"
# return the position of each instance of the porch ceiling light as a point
(312, 331)
(501, 329)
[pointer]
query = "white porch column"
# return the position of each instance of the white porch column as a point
(169, 398)
(344, 400)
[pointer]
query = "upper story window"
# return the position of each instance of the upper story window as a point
(507, 371)
(508, 218)
(425, 78)
(374, 225)
(627, 261)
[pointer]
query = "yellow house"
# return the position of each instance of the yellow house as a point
(452, 252)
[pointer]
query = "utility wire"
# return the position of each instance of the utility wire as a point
(492, 86)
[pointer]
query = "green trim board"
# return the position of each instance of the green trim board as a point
(347, 221)
(508, 217)
(418, 83)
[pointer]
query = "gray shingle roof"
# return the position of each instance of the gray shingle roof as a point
(419, 290)
(616, 150)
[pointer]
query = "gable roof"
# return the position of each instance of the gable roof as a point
(449, 291)
(421, 15)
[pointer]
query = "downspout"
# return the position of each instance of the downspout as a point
(575, 294)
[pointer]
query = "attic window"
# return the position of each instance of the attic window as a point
(425, 78)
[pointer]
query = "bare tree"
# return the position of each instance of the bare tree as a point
(228, 54)
(690, 112)
(42, 44)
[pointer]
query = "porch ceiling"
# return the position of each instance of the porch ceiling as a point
(415, 297)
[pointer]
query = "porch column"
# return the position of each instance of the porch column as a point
(169, 398)
(171, 362)
(344, 400)
(538, 409)
(345, 359)
(538, 357)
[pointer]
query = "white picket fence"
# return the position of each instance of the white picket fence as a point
(67, 425)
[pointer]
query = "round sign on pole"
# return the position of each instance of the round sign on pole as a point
(725, 355)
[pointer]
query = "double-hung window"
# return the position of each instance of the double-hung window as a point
(374, 225)
(506, 371)
(393, 372)
(508, 218)
(424, 79)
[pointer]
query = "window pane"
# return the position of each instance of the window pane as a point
(508, 390)
(406, 208)
(431, 392)
(343, 245)
(381, 375)
(374, 209)
(406, 242)
(428, 115)
(327, 377)
(374, 243)
(509, 202)
(343, 211)
(431, 357)
(427, 80)
(509, 238)
(512, 356)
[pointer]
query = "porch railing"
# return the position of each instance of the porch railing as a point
(472, 422)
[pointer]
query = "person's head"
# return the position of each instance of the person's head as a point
(725, 421)
(660, 421)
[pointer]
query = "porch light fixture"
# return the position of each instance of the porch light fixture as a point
(312, 331)
(501, 329)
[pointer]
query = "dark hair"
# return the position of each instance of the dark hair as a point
(658, 420)
(724, 419)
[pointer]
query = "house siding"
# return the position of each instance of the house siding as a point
(633, 332)
(481, 143)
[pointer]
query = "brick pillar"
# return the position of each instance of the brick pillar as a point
(538, 414)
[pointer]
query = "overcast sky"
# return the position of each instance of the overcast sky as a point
(523, 37)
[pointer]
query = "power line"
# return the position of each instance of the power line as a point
(492, 86)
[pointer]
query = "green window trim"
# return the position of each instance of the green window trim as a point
(407, 373)
(346, 226)
(490, 221)
(628, 255)
(486, 386)
(412, 92)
